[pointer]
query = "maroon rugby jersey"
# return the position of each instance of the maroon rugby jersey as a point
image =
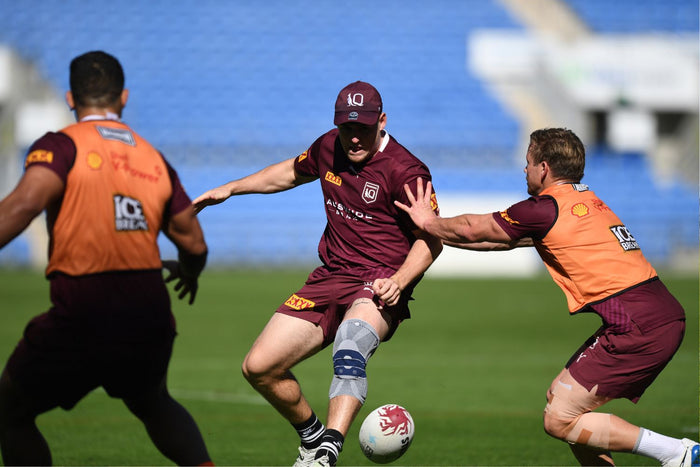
(365, 229)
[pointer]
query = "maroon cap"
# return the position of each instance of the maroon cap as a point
(358, 102)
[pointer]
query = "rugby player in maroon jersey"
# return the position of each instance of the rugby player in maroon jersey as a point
(372, 257)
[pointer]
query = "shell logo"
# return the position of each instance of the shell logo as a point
(94, 160)
(580, 210)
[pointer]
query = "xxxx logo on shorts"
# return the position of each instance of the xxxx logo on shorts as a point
(298, 303)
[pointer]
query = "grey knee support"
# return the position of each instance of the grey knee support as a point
(354, 343)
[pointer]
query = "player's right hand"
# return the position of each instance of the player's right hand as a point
(209, 198)
(185, 284)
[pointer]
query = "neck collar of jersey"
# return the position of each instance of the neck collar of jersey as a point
(106, 116)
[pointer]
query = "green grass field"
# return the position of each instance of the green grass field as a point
(472, 366)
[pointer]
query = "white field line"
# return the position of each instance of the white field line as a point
(215, 396)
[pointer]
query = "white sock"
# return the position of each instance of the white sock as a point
(659, 447)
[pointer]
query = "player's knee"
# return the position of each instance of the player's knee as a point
(251, 369)
(258, 370)
(355, 342)
(150, 402)
(558, 422)
(15, 408)
(555, 427)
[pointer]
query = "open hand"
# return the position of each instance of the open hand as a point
(185, 284)
(420, 210)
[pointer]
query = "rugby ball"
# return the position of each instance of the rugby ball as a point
(386, 433)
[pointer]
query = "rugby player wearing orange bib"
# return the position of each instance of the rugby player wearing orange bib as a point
(373, 257)
(598, 264)
(107, 194)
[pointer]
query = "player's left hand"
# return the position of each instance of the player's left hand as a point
(387, 290)
(185, 284)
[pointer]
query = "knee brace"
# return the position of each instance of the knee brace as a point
(354, 343)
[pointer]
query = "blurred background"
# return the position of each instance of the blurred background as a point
(225, 88)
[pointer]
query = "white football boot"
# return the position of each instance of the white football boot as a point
(305, 457)
(690, 457)
(324, 461)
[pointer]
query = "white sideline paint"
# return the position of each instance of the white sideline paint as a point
(215, 396)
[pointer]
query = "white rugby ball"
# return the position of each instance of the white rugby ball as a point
(386, 433)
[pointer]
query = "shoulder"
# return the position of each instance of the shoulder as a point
(324, 144)
(54, 150)
(533, 217)
(58, 141)
(542, 206)
(327, 139)
(402, 164)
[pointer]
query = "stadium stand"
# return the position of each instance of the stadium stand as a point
(633, 16)
(226, 88)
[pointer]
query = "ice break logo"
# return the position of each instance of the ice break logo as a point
(623, 235)
(128, 214)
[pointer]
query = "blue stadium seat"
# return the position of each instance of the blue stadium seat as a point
(224, 88)
(633, 16)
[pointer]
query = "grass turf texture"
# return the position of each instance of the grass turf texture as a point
(472, 366)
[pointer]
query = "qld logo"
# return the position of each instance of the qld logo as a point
(370, 192)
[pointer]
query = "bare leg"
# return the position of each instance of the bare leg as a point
(342, 410)
(284, 342)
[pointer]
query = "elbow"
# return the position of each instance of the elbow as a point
(435, 246)
(25, 213)
(437, 249)
(194, 246)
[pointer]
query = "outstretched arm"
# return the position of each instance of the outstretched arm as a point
(272, 179)
(38, 187)
(468, 231)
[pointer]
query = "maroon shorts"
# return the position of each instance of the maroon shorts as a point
(624, 365)
(326, 296)
(114, 331)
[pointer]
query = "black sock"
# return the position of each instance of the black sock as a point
(310, 431)
(331, 445)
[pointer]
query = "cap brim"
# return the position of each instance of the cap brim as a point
(366, 118)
